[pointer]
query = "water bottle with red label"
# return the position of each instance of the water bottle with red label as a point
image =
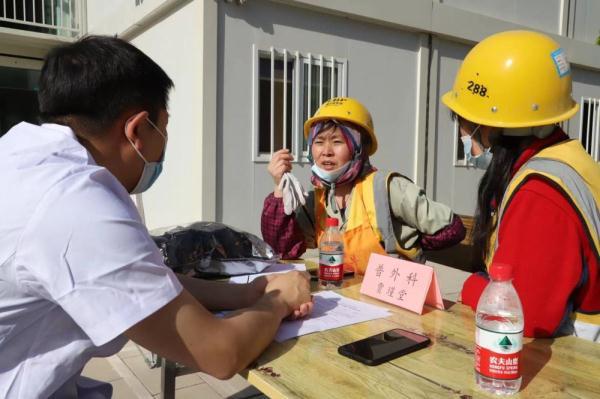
(499, 334)
(331, 256)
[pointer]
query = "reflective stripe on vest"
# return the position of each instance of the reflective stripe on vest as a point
(384, 225)
(581, 187)
(383, 221)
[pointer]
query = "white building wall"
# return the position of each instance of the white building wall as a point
(587, 21)
(544, 15)
(174, 40)
(176, 45)
(111, 17)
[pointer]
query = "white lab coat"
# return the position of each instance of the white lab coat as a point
(77, 265)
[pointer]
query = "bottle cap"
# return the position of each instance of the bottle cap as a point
(501, 271)
(331, 222)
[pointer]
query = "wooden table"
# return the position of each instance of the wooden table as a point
(310, 367)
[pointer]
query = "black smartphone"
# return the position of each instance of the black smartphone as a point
(384, 347)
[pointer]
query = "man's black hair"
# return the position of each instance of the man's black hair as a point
(93, 81)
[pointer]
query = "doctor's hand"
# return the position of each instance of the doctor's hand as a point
(281, 162)
(304, 310)
(293, 288)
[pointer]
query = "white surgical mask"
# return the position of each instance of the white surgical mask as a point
(151, 170)
(330, 176)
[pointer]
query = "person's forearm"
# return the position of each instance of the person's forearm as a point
(448, 236)
(216, 295)
(185, 332)
(251, 330)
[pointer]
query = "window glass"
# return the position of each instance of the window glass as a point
(264, 125)
(325, 90)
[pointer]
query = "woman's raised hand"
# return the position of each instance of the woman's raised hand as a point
(281, 162)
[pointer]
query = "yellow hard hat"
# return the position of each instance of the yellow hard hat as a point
(345, 109)
(513, 79)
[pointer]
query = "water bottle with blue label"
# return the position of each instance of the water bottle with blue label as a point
(331, 256)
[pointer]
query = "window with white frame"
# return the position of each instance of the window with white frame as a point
(55, 17)
(288, 88)
(589, 126)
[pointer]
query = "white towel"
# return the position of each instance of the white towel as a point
(293, 193)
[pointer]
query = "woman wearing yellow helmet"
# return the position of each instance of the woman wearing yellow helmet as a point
(538, 201)
(378, 212)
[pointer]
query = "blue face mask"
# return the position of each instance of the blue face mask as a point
(330, 176)
(151, 170)
(481, 161)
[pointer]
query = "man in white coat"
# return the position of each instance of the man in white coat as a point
(79, 273)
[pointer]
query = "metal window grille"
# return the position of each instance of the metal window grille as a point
(57, 17)
(288, 88)
(589, 126)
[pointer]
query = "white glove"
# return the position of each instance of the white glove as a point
(293, 193)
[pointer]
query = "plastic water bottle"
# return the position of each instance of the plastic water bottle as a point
(331, 256)
(499, 334)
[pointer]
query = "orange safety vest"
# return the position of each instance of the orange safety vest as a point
(369, 226)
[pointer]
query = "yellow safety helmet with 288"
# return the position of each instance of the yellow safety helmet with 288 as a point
(513, 79)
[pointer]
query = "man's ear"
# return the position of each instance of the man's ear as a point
(132, 128)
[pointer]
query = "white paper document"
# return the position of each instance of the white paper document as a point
(272, 269)
(330, 310)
